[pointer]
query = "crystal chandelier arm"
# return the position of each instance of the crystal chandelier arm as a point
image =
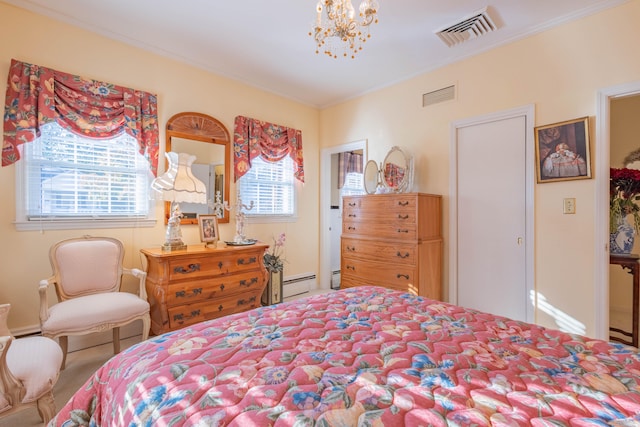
(339, 22)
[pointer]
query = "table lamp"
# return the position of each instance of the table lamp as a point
(178, 185)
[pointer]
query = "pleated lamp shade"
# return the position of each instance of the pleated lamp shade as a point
(178, 184)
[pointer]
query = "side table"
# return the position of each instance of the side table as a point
(630, 264)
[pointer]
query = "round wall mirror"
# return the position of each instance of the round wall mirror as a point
(371, 175)
(396, 170)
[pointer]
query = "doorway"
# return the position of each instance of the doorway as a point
(491, 231)
(329, 245)
(603, 154)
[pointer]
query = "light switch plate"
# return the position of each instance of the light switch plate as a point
(569, 206)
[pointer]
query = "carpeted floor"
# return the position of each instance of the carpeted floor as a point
(80, 366)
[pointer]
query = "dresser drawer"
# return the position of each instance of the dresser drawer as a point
(196, 267)
(376, 273)
(353, 282)
(189, 314)
(381, 203)
(394, 229)
(376, 250)
(216, 287)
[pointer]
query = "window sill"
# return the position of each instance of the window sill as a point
(266, 219)
(82, 224)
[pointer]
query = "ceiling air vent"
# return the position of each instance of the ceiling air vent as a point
(468, 28)
(445, 94)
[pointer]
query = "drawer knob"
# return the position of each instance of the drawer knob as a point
(190, 269)
(352, 204)
(351, 228)
(247, 301)
(402, 276)
(403, 216)
(351, 215)
(350, 267)
(242, 261)
(250, 282)
(401, 230)
(403, 202)
(182, 294)
(220, 307)
(404, 255)
(180, 316)
(220, 264)
(222, 287)
(351, 248)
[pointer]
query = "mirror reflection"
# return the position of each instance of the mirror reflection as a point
(396, 170)
(207, 139)
(208, 168)
(371, 177)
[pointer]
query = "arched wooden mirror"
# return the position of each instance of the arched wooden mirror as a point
(208, 140)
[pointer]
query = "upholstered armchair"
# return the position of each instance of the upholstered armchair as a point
(87, 275)
(29, 368)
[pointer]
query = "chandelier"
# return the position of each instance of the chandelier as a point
(338, 23)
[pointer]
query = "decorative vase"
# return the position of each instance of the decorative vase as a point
(621, 241)
(273, 292)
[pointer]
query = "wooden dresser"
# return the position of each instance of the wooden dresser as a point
(197, 284)
(393, 240)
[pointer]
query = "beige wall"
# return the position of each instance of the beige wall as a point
(39, 40)
(560, 71)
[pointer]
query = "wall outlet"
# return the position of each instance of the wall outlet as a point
(569, 206)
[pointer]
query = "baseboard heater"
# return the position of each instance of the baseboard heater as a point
(335, 279)
(298, 285)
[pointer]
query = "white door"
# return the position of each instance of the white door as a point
(491, 216)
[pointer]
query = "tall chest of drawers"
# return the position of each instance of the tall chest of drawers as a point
(393, 240)
(197, 284)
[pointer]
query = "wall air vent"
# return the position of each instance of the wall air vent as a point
(468, 28)
(445, 94)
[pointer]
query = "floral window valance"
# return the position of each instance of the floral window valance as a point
(38, 95)
(253, 138)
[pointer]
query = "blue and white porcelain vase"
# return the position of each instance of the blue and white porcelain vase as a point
(621, 241)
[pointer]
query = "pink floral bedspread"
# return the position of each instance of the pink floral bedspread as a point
(363, 357)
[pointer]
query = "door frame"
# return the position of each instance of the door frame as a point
(324, 275)
(601, 246)
(528, 112)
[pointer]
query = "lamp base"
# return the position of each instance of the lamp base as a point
(168, 247)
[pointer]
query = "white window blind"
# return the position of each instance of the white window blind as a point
(68, 176)
(271, 188)
(353, 184)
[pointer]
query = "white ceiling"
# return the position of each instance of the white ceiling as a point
(265, 43)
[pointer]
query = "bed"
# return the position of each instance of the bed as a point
(365, 356)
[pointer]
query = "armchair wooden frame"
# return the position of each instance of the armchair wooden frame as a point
(65, 293)
(14, 395)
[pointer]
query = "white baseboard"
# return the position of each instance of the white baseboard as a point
(300, 284)
(80, 342)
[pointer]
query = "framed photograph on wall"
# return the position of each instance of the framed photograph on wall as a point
(208, 229)
(562, 151)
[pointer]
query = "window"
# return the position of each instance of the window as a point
(353, 184)
(271, 188)
(65, 177)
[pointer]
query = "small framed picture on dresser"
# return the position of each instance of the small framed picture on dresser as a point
(208, 229)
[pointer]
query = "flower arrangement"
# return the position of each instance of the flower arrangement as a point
(273, 259)
(624, 191)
